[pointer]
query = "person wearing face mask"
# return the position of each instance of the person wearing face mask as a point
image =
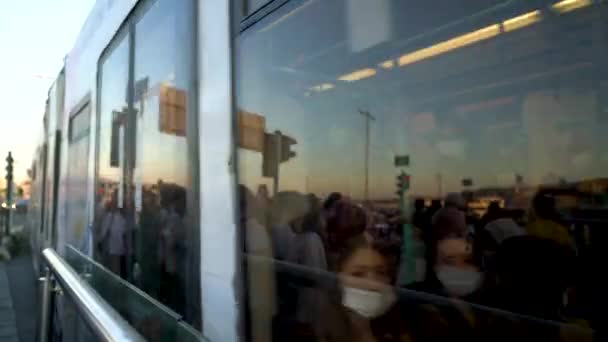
(450, 269)
(363, 305)
(453, 274)
(454, 268)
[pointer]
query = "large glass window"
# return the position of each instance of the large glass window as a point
(166, 158)
(422, 170)
(113, 109)
(113, 112)
(253, 5)
(77, 176)
(147, 189)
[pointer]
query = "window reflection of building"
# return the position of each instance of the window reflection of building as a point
(251, 128)
(172, 111)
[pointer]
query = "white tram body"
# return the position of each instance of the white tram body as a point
(196, 153)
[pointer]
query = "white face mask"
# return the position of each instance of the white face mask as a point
(457, 281)
(369, 304)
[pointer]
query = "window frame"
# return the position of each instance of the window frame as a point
(82, 106)
(249, 19)
(127, 31)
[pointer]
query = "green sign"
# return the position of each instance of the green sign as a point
(402, 160)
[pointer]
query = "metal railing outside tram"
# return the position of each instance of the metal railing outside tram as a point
(102, 320)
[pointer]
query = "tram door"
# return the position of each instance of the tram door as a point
(78, 233)
(145, 238)
(52, 161)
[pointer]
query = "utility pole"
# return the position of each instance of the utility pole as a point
(9, 192)
(368, 117)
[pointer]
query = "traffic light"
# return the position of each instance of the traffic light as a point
(403, 183)
(286, 152)
(9, 178)
(277, 149)
(9, 168)
(270, 164)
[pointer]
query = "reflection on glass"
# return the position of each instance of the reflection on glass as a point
(165, 163)
(78, 168)
(110, 217)
(460, 143)
(73, 328)
(147, 189)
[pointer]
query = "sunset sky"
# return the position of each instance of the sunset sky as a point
(35, 35)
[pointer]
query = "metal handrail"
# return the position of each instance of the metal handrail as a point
(105, 323)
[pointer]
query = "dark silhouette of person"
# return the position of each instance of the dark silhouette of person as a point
(418, 216)
(427, 229)
(329, 205)
(260, 299)
(349, 220)
(300, 238)
(172, 249)
(148, 239)
(492, 213)
(532, 275)
(545, 221)
(308, 249)
(455, 200)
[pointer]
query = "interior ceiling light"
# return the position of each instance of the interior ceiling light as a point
(322, 87)
(521, 21)
(466, 39)
(449, 45)
(358, 75)
(387, 64)
(570, 5)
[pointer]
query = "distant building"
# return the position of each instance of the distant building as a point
(172, 111)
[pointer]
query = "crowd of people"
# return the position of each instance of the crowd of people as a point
(333, 269)
(150, 252)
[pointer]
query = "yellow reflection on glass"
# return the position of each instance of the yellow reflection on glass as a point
(358, 75)
(387, 64)
(449, 45)
(570, 5)
(322, 87)
(521, 21)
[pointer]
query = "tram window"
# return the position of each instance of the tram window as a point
(113, 108)
(79, 124)
(147, 214)
(253, 5)
(167, 243)
(389, 150)
(77, 175)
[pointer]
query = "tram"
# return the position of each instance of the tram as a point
(214, 169)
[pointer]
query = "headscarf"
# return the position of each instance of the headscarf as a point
(503, 229)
